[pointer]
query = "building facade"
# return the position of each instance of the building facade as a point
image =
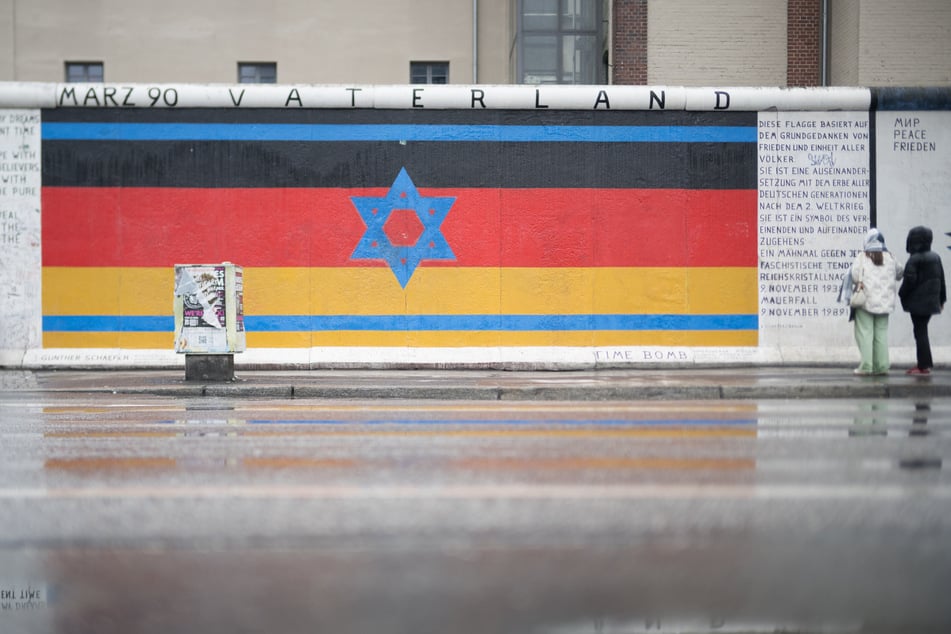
(653, 42)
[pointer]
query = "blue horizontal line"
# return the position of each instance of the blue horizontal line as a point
(402, 323)
(107, 323)
(529, 422)
(78, 131)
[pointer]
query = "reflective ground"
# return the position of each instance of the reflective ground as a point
(144, 514)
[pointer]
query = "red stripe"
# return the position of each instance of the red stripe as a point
(320, 227)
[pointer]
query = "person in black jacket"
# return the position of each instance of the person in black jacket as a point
(923, 292)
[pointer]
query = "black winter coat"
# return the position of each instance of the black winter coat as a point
(923, 290)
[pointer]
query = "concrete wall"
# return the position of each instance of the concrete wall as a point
(709, 42)
(913, 160)
(468, 225)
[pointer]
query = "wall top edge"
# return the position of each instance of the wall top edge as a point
(915, 98)
(466, 97)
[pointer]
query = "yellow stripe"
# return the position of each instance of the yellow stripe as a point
(431, 291)
(134, 340)
(108, 291)
(602, 463)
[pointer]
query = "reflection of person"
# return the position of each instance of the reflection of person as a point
(878, 273)
(920, 419)
(923, 292)
(870, 420)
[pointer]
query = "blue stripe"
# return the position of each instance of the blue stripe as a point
(107, 323)
(398, 323)
(527, 422)
(62, 131)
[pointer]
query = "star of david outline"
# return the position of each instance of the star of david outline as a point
(431, 211)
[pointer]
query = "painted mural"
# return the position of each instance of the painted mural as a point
(404, 228)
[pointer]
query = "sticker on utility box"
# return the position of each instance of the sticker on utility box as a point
(209, 311)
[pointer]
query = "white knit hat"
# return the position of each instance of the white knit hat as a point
(874, 240)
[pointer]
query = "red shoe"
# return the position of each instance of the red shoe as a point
(918, 371)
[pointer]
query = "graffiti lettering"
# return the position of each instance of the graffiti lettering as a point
(478, 95)
(294, 96)
(628, 355)
(538, 103)
(169, 96)
(116, 96)
(723, 100)
(909, 136)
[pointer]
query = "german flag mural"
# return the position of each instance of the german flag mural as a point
(421, 228)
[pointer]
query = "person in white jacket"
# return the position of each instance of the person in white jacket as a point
(878, 273)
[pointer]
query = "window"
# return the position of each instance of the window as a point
(560, 42)
(257, 72)
(84, 72)
(429, 72)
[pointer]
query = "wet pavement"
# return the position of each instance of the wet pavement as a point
(725, 382)
(155, 512)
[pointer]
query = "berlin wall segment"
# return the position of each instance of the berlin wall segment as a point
(618, 225)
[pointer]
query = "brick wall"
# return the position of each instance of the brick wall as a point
(630, 42)
(803, 42)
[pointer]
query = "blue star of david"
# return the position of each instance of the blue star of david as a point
(376, 245)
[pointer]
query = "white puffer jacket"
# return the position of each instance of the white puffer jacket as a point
(880, 282)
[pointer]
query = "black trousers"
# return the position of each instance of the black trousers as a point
(920, 326)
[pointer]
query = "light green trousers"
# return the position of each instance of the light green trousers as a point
(871, 335)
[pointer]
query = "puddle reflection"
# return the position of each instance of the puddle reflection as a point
(873, 420)
(747, 583)
(225, 517)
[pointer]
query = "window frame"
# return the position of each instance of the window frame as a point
(258, 75)
(429, 66)
(85, 66)
(560, 32)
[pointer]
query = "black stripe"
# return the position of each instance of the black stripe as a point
(872, 172)
(912, 98)
(376, 164)
(408, 116)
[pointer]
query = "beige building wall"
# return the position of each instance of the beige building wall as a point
(905, 43)
(7, 39)
(844, 42)
(716, 42)
(312, 41)
(690, 42)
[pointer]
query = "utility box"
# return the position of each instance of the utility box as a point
(209, 319)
